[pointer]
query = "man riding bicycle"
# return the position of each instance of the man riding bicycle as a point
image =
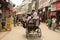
(35, 19)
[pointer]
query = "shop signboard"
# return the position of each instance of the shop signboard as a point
(57, 0)
(43, 9)
(58, 5)
(49, 8)
(53, 13)
(53, 7)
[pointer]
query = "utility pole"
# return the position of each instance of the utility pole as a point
(30, 6)
(36, 4)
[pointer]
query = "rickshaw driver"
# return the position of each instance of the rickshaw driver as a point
(34, 16)
(35, 19)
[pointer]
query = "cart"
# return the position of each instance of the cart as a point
(32, 29)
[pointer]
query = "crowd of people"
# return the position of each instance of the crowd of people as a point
(53, 23)
(33, 15)
(30, 17)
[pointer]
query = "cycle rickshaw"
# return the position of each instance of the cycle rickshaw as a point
(31, 27)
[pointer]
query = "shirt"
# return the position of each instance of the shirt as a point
(54, 20)
(49, 21)
(35, 16)
(24, 19)
(28, 18)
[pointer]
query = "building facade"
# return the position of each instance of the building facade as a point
(31, 4)
(55, 9)
(25, 5)
(49, 8)
(45, 7)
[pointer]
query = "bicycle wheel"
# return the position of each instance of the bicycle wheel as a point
(39, 33)
(27, 33)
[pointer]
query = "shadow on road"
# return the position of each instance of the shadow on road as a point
(4, 34)
(33, 37)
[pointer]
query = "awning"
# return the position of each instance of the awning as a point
(20, 13)
(44, 5)
(53, 7)
(58, 5)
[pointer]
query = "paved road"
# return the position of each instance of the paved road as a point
(49, 34)
(18, 33)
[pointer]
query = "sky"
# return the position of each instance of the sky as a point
(17, 2)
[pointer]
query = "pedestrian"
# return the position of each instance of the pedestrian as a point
(49, 21)
(54, 24)
(24, 21)
(14, 21)
(9, 23)
(3, 22)
(17, 20)
(58, 24)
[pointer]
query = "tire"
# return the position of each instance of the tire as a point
(39, 32)
(27, 34)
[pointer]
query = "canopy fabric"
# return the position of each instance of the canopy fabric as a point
(20, 13)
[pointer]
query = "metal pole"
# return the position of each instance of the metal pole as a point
(30, 6)
(36, 4)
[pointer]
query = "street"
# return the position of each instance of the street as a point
(14, 13)
(18, 33)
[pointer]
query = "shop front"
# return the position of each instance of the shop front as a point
(58, 11)
(0, 19)
(58, 5)
(53, 10)
(49, 12)
(1, 5)
(5, 14)
(46, 12)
